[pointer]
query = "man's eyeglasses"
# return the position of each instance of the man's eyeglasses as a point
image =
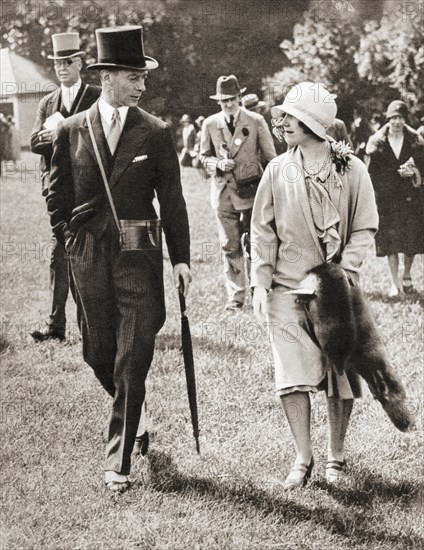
(64, 62)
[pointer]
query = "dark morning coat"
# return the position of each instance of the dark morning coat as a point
(50, 104)
(145, 163)
(119, 294)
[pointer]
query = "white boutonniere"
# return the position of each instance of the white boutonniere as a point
(140, 158)
(341, 155)
(237, 141)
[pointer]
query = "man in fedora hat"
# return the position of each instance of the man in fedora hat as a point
(232, 145)
(251, 102)
(111, 231)
(72, 96)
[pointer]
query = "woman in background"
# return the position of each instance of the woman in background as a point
(396, 169)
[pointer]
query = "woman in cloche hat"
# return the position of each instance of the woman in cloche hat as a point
(396, 167)
(315, 204)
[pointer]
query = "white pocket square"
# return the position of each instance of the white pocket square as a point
(140, 158)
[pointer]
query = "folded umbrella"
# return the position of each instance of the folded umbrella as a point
(187, 349)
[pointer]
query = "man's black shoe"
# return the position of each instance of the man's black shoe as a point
(48, 334)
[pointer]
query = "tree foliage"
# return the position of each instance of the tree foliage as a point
(268, 44)
(365, 64)
(322, 50)
(195, 42)
(391, 56)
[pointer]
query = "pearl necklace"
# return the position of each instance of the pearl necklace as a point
(320, 169)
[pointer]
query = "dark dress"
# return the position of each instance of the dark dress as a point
(400, 204)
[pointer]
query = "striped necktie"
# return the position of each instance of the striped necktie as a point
(114, 131)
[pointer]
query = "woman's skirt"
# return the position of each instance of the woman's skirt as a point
(299, 362)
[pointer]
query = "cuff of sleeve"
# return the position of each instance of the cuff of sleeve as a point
(352, 276)
(63, 233)
(185, 260)
(211, 167)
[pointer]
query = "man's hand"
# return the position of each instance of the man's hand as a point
(182, 270)
(260, 303)
(226, 165)
(46, 136)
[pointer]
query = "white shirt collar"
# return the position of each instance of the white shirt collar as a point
(236, 116)
(106, 112)
(71, 91)
(73, 87)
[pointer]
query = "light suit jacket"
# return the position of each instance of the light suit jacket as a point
(283, 235)
(251, 141)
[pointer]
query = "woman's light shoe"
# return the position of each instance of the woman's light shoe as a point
(393, 292)
(335, 470)
(298, 476)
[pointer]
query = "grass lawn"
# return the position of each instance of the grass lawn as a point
(54, 419)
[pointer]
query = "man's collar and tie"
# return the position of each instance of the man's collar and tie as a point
(231, 121)
(113, 120)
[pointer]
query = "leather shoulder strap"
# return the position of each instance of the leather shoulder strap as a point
(103, 173)
(84, 90)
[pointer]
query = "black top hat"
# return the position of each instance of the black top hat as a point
(227, 87)
(66, 45)
(122, 48)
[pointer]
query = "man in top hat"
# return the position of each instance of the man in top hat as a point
(72, 96)
(119, 285)
(232, 145)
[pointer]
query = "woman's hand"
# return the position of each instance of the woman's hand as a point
(260, 303)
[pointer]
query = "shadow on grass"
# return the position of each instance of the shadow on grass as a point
(368, 486)
(5, 345)
(167, 342)
(352, 522)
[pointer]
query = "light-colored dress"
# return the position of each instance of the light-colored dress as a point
(286, 245)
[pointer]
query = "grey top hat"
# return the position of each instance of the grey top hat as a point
(66, 45)
(227, 87)
(122, 48)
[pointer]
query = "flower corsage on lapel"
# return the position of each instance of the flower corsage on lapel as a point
(341, 156)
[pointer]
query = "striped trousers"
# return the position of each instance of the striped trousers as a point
(121, 308)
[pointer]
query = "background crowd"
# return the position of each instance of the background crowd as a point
(10, 149)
